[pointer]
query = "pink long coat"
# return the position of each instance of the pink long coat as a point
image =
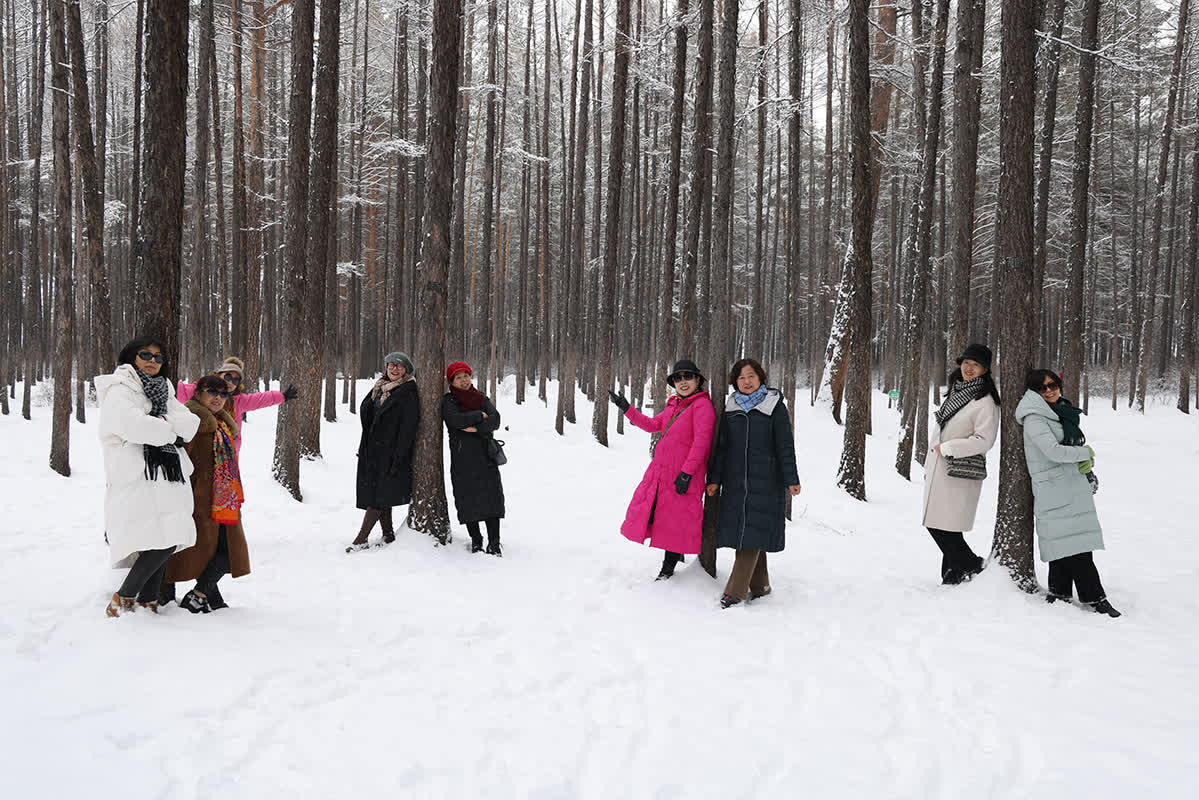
(241, 404)
(677, 519)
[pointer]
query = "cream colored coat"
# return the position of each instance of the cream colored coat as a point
(950, 503)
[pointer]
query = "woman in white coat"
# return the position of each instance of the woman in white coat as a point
(955, 467)
(147, 498)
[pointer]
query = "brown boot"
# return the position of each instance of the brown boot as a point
(119, 604)
(152, 605)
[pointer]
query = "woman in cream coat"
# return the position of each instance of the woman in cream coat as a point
(967, 425)
(147, 497)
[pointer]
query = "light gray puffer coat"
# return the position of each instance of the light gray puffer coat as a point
(1062, 503)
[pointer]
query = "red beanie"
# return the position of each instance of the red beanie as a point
(455, 368)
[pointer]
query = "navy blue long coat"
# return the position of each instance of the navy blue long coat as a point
(754, 463)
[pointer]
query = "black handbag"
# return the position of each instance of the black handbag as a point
(972, 468)
(495, 451)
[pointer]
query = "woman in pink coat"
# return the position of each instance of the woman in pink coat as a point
(239, 401)
(667, 507)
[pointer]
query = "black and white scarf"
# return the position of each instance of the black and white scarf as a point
(961, 393)
(166, 456)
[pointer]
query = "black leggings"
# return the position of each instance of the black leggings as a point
(145, 576)
(493, 530)
(1076, 571)
(958, 561)
(217, 566)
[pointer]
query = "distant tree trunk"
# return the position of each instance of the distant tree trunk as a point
(255, 196)
(133, 255)
(60, 429)
(1145, 357)
(428, 511)
(859, 261)
(299, 336)
(1012, 546)
(607, 320)
(967, 97)
(1186, 310)
(1052, 49)
(200, 299)
(795, 192)
(33, 286)
(165, 162)
(481, 306)
(701, 182)
(321, 256)
(1084, 114)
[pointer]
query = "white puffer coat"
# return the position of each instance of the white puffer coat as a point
(950, 503)
(141, 514)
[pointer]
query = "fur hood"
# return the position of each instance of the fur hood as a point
(208, 420)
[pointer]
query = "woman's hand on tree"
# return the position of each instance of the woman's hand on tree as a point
(712, 489)
(794, 490)
(290, 392)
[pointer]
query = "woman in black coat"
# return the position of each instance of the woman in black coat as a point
(471, 419)
(753, 468)
(389, 413)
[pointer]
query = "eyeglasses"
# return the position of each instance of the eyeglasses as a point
(221, 393)
(146, 355)
(232, 377)
(685, 375)
(395, 364)
(1049, 387)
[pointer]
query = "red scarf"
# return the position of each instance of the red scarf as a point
(471, 399)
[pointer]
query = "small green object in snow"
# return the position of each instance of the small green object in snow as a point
(893, 394)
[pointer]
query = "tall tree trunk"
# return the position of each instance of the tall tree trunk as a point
(1145, 357)
(428, 511)
(607, 321)
(60, 426)
(300, 349)
(33, 279)
(701, 182)
(161, 233)
(1012, 545)
(859, 262)
(1084, 114)
(1186, 309)
(1052, 50)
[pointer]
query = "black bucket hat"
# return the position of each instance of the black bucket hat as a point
(684, 365)
(976, 352)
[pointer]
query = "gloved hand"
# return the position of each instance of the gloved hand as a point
(619, 401)
(290, 393)
(682, 482)
(1086, 466)
(179, 441)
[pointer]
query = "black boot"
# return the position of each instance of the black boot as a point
(215, 601)
(195, 603)
(166, 593)
(669, 562)
(493, 547)
(1104, 607)
(476, 543)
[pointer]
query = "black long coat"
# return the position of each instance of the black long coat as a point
(478, 490)
(754, 463)
(385, 450)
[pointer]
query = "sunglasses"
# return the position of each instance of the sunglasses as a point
(221, 393)
(394, 364)
(1049, 387)
(232, 377)
(146, 355)
(686, 375)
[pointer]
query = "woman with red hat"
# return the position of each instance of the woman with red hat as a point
(472, 419)
(668, 505)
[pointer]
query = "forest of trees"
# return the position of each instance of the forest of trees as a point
(584, 192)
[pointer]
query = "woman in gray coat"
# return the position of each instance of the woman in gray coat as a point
(967, 424)
(1058, 458)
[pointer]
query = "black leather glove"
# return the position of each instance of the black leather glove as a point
(619, 401)
(682, 482)
(290, 393)
(179, 441)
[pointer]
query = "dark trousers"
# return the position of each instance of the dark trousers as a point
(373, 515)
(145, 576)
(493, 530)
(217, 566)
(958, 561)
(1076, 571)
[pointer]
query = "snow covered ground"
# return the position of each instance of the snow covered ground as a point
(564, 671)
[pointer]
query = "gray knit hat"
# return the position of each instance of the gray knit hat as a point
(401, 358)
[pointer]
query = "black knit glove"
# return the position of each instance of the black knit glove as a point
(619, 401)
(682, 482)
(290, 393)
(179, 441)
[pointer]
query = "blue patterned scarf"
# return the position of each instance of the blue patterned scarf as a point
(750, 401)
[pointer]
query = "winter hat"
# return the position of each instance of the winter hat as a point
(399, 358)
(684, 365)
(232, 364)
(455, 368)
(976, 352)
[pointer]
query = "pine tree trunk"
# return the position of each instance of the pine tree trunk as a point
(33, 336)
(428, 511)
(60, 427)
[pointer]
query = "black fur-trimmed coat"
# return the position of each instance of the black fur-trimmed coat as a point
(385, 449)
